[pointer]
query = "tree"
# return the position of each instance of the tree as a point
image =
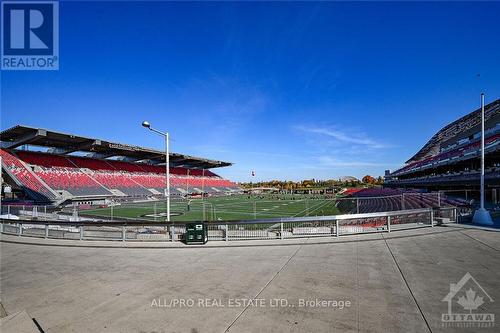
(368, 180)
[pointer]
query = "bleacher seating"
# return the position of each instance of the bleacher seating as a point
(84, 176)
(72, 180)
(373, 200)
(45, 160)
(35, 188)
(453, 154)
(91, 163)
(120, 181)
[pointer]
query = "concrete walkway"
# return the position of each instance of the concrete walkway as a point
(368, 283)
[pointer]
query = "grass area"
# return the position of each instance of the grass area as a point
(241, 207)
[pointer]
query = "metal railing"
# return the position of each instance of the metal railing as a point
(153, 211)
(276, 228)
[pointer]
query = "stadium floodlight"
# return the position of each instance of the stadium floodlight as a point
(482, 216)
(147, 125)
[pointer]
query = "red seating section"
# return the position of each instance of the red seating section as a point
(373, 200)
(121, 181)
(91, 163)
(72, 180)
(456, 153)
(46, 160)
(33, 185)
(83, 176)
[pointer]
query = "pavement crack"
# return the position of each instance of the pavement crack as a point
(265, 286)
(481, 242)
(407, 285)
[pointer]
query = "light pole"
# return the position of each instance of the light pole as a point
(167, 164)
(482, 216)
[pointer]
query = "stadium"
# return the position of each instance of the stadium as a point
(450, 160)
(67, 176)
(249, 167)
(114, 180)
(107, 180)
(99, 208)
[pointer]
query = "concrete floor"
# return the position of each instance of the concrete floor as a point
(394, 283)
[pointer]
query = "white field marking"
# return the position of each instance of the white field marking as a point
(260, 210)
(322, 202)
(241, 211)
(315, 209)
(246, 208)
(247, 213)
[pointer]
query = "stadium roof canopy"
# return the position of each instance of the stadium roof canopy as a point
(62, 143)
(467, 122)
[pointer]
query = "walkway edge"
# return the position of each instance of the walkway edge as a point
(404, 233)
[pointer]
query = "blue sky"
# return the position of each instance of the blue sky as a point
(290, 90)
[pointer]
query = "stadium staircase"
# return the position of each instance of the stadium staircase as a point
(26, 179)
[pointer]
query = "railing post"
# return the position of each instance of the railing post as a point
(337, 233)
(389, 223)
(46, 231)
(432, 217)
(81, 232)
(226, 233)
(1, 227)
(172, 233)
(20, 230)
(455, 215)
(124, 233)
(281, 230)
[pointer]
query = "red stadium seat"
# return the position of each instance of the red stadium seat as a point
(84, 176)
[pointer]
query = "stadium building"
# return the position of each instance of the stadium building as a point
(450, 160)
(44, 166)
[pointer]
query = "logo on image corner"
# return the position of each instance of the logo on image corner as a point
(468, 305)
(30, 35)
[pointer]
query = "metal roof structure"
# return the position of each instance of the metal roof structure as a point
(62, 144)
(463, 124)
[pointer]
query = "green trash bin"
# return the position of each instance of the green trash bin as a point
(196, 233)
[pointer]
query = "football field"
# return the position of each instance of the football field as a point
(241, 207)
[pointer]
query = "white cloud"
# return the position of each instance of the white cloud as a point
(352, 137)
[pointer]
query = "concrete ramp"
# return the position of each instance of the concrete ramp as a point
(19, 322)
